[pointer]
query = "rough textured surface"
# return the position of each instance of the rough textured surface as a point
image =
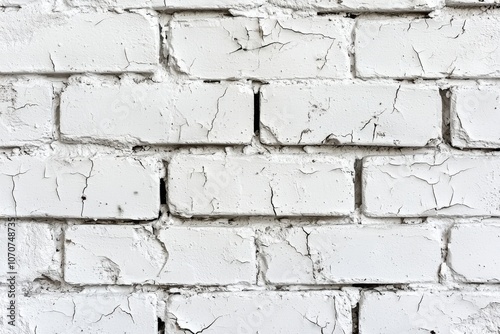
(351, 254)
(262, 312)
(431, 185)
(472, 252)
(192, 113)
(472, 2)
(428, 312)
(175, 255)
(475, 115)
(249, 166)
(429, 48)
(79, 188)
(224, 48)
(259, 185)
(38, 43)
(38, 252)
(350, 113)
(83, 313)
(25, 112)
(360, 5)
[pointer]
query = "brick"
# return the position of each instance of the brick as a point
(25, 113)
(464, 3)
(359, 5)
(475, 114)
(429, 312)
(38, 42)
(473, 252)
(36, 250)
(279, 185)
(186, 113)
(352, 254)
(170, 4)
(431, 185)
(350, 113)
(449, 46)
(84, 312)
(225, 48)
(262, 312)
(16, 3)
(175, 255)
(96, 188)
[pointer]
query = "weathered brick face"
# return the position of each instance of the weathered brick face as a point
(265, 166)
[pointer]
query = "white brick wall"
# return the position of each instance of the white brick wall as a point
(249, 166)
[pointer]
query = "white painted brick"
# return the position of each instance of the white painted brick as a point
(36, 42)
(260, 312)
(25, 112)
(16, 3)
(97, 188)
(36, 251)
(448, 46)
(463, 3)
(352, 254)
(187, 113)
(350, 113)
(58, 313)
(429, 312)
(170, 4)
(475, 115)
(277, 185)
(431, 185)
(175, 255)
(222, 48)
(359, 5)
(473, 252)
